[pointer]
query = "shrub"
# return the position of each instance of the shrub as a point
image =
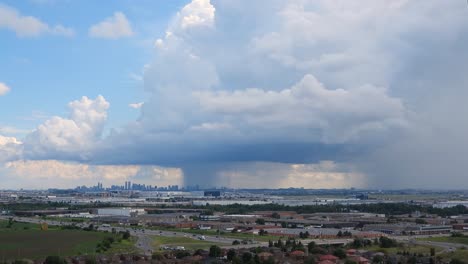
(54, 260)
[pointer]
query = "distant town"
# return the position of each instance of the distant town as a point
(175, 224)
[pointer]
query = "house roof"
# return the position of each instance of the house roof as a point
(297, 253)
(326, 262)
(359, 258)
(328, 257)
(265, 254)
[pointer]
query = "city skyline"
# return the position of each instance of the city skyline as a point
(242, 94)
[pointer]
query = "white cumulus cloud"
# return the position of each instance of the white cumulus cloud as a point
(113, 27)
(10, 148)
(340, 115)
(197, 13)
(74, 136)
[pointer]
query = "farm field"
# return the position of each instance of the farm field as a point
(22, 240)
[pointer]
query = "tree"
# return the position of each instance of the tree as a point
(215, 251)
(339, 252)
(157, 256)
(90, 260)
(260, 221)
(311, 246)
(386, 242)
(126, 235)
(360, 242)
(456, 234)
(340, 234)
(378, 259)
(10, 222)
(231, 254)
(180, 254)
(270, 260)
(270, 243)
(262, 232)
(456, 261)
(279, 244)
(246, 257)
(235, 242)
(310, 260)
(275, 215)
(412, 260)
(21, 261)
(256, 259)
(54, 260)
(420, 221)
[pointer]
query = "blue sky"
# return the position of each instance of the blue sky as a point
(317, 94)
(46, 72)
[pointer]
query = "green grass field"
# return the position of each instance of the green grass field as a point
(23, 240)
(186, 242)
(460, 254)
(66, 219)
(458, 240)
(417, 249)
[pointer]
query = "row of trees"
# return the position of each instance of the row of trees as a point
(288, 245)
(383, 242)
(378, 208)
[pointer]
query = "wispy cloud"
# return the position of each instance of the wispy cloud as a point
(9, 130)
(136, 105)
(136, 77)
(29, 26)
(36, 115)
(4, 89)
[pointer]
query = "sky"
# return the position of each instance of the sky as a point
(243, 94)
